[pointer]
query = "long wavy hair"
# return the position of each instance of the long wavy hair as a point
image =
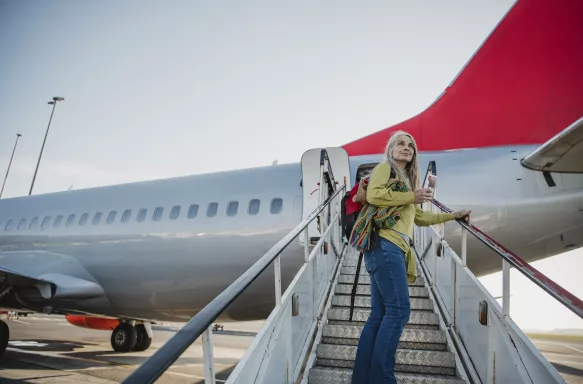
(411, 172)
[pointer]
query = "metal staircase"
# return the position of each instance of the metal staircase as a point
(423, 355)
(457, 332)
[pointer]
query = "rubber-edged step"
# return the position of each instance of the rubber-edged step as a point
(361, 315)
(364, 302)
(427, 339)
(327, 375)
(348, 278)
(364, 290)
(406, 360)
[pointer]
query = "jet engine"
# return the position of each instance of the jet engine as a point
(93, 322)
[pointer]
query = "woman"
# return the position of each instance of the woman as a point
(390, 308)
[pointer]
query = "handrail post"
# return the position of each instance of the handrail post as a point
(277, 277)
(454, 293)
(323, 192)
(306, 246)
(289, 350)
(339, 209)
(464, 247)
(506, 288)
(208, 356)
(313, 282)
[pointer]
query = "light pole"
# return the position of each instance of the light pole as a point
(9, 164)
(54, 103)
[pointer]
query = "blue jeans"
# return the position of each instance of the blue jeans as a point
(390, 310)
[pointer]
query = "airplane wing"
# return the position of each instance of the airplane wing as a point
(561, 154)
(58, 281)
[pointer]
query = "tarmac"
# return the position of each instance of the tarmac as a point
(566, 356)
(47, 349)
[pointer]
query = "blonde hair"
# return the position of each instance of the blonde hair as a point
(411, 174)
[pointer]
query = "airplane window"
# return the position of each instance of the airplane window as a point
(83, 219)
(276, 206)
(22, 224)
(212, 209)
(45, 223)
(70, 220)
(33, 223)
(175, 212)
(193, 211)
(97, 218)
(232, 208)
(111, 217)
(126, 215)
(254, 206)
(58, 221)
(142, 215)
(9, 225)
(158, 214)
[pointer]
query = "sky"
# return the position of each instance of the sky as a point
(162, 89)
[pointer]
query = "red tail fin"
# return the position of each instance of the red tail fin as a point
(524, 85)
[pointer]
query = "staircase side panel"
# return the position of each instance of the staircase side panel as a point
(498, 349)
(444, 278)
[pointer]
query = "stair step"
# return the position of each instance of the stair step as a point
(420, 336)
(351, 270)
(364, 302)
(402, 344)
(348, 278)
(361, 315)
(326, 375)
(352, 261)
(364, 290)
(407, 326)
(406, 360)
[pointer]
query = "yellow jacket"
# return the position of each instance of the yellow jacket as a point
(378, 195)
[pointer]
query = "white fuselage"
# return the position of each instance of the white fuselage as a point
(169, 269)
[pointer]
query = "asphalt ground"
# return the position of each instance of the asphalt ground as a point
(565, 355)
(46, 349)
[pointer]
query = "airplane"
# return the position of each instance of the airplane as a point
(506, 137)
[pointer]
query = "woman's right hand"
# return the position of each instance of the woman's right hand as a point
(422, 195)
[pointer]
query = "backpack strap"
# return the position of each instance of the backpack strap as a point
(355, 284)
(393, 173)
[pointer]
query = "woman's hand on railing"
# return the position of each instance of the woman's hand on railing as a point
(462, 214)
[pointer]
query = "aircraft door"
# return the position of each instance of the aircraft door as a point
(340, 166)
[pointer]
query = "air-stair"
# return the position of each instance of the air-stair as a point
(424, 355)
(457, 332)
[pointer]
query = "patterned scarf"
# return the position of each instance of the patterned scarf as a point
(371, 216)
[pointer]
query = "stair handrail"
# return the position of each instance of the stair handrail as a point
(326, 170)
(555, 290)
(151, 369)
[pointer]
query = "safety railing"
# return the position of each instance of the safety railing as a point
(491, 346)
(509, 258)
(280, 350)
(297, 308)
